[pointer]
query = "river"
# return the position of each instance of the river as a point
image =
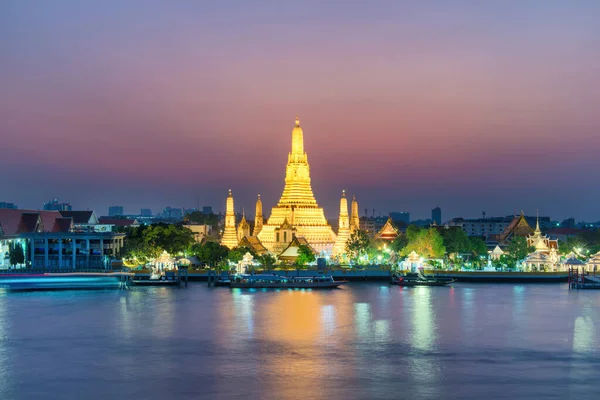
(364, 341)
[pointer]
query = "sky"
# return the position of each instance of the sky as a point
(468, 105)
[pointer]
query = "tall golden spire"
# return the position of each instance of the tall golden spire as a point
(537, 221)
(297, 205)
(229, 237)
(243, 229)
(354, 218)
(258, 219)
(344, 227)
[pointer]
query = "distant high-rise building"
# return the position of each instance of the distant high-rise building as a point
(4, 204)
(146, 212)
(436, 215)
(400, 216)
(568, 223)
(54, 205)
(207, 210)
(172, 213)
(115, 211)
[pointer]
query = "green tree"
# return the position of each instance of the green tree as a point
(427, 243)
(211, 253)
(399, 243)
(236, 254)
(412, 232)
(266, 260)
(477, 246)
(357, 244)
(456, 241)
(15, 254)
(518, 249)
(305, 255)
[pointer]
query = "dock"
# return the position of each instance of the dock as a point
(583, 280)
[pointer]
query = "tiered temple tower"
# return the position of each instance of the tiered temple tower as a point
(354, 218)
(229, 237)
(297, 206)
(258, 219)
(243, 229)
(344, 227)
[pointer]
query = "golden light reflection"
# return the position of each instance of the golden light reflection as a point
(422, 367)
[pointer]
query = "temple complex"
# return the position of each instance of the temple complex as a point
(297, 213)
(229, 237)
(343, 234)
(354, 218)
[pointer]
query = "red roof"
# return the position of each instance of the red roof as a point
(14, 221)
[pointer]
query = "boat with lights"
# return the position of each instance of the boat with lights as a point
(265, 281)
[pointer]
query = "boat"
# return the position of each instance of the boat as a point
(62, 281)
(266, 281)
(223, 280)
(418, 279)
(169, 278)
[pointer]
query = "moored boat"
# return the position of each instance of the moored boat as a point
(412, 279)
(285, 282)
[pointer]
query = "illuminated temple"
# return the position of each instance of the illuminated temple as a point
(297, 212)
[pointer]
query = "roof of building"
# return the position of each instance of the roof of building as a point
(117, 221)
(518, 227)
(62, 225)
(254, 243)
(536, 257)
(81, 217)
(290, 253)
(388, 231)
(15, 221)
(573, 261)
(594, 258)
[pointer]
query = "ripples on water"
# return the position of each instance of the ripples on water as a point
(364, 341)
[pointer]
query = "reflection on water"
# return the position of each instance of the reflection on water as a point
(363, 341)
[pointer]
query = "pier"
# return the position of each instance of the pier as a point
(582, 280)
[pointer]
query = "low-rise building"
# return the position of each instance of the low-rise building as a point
(50, 240)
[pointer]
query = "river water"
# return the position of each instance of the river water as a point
(364, 341)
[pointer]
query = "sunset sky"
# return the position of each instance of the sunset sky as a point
(468, 105)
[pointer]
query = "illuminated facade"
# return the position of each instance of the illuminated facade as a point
(297, 213)
(354, 218)
(344, 227)
(229, 238)
(258, 219)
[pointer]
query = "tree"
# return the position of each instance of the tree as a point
(456, 241)
(518, 249)
(399, 243)
(210, 253)
(266, 260)
(357, 244)
(305, 255)
(412, 232)
(236, 254)
(15, 254)
(427, 243)
(477, 246)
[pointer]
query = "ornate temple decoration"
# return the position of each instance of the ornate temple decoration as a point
(243, 229)
(354, 218)
(343, 234)
(258, 219)
(387, 232)
(297, 213)
(518, 227)
(229, 237)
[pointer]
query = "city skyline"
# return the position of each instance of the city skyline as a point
(470, 107)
